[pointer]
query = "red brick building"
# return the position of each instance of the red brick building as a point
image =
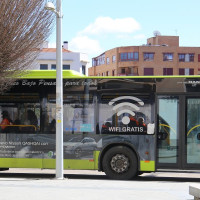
(162, 55)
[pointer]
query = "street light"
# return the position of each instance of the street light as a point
(59, 87)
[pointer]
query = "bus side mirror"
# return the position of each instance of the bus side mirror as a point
(198, 136)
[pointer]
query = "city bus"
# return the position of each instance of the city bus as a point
(123, 126)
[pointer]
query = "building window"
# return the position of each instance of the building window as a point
(191, 57)
(83, 69)
(107, 73)
(100, 60)
(123, 56)
(114, 59)
(167, 56)
(186, 57)
(181, 57)
(66, 67)
(94, 62)
(130, 56)
(148, 71)
(198, 57)
(123, 71)
(167, 71)
(136, 55)
(186, 71)
(53, 67)
(107, 60)
(43, 66)
(148, 56)
(113, 72)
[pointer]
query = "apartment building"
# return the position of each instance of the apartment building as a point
(71, 60)
(162, 55)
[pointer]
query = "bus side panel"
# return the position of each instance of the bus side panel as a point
(38, 151)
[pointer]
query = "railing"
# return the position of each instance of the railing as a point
(19, 126)
(127, 74)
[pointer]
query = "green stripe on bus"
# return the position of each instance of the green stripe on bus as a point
(49, 163)
(74, 163)
(68, 163)
(51, 74)
(45, 163)
(20, 163)
(96, 159)
(147, 165)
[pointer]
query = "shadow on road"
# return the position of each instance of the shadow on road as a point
(147, 178)
(167, 179)
(50, 176)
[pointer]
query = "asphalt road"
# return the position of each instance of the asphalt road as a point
(33, 184)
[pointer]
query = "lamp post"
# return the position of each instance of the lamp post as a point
(59, 87)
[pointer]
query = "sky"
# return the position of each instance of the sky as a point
(94, 27)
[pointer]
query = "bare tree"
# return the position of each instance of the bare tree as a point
(24, 26)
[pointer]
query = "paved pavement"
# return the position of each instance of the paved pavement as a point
(36, 184)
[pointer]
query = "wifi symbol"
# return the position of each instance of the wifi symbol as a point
(126, 119)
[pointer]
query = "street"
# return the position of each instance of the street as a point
(33, 184)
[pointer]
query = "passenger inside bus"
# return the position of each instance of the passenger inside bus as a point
(5, 121)
(142, 124)
(31, 123)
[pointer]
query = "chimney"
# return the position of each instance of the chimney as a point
(65, 45)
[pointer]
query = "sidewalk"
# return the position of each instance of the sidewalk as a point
(38, 184)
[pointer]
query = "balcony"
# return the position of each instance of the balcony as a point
(127, 74)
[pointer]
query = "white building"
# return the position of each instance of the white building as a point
(71, 60)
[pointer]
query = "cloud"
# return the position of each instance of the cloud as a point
(104, 30)
(85, 44)
(52, 45)
(109, 25)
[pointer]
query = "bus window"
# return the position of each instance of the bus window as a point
(50, 117)
(23, 113)
(193, 130)
(78, 113)
(23, 117)
(168, 119)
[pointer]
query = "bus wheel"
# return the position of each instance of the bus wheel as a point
(120, 163)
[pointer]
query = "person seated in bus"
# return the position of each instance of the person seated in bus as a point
(142, 124)
(31, 124)
(133, 121)
(5, 121)
(105, 127)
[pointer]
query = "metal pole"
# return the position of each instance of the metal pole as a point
(59, 93)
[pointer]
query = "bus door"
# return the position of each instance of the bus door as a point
(178, 132)
(168, 119)
(192, 133)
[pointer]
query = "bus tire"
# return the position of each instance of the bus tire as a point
(120, 163)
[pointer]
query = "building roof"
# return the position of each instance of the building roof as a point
(53, 50)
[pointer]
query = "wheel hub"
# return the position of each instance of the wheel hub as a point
(119, 163)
